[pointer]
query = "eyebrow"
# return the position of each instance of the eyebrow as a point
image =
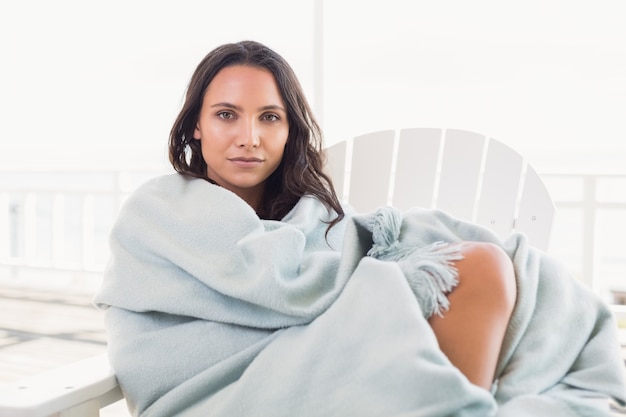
(238, 108)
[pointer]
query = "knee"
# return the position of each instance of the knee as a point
(487, 271)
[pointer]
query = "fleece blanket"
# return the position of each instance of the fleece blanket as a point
(213, 312)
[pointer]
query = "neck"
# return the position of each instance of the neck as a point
(254, 198)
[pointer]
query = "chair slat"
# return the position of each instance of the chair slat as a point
(536, 210)
(371, 170)
(499, 189)
(336, 166)
(460, 171)
(416, 168)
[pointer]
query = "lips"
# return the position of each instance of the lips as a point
(246, 162)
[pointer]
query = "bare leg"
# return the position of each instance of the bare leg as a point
(471, 332)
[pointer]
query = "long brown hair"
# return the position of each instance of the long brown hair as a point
(301, 169)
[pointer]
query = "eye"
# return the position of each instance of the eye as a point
(270, 117)
(226, 115)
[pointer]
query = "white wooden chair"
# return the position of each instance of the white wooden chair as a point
(464, 173)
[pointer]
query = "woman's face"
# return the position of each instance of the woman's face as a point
(242, 128)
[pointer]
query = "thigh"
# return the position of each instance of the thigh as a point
(471, 332)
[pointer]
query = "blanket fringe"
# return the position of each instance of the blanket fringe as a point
(429, 270)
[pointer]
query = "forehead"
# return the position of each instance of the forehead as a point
(240, 80)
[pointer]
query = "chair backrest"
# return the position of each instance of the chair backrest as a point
(464, 173)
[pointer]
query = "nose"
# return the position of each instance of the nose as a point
(250, 136)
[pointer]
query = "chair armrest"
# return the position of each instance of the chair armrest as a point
(81, 388)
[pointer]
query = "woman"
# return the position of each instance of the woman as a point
(250, 130)
(247, 129)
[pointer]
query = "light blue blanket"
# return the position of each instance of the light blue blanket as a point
(213, 312)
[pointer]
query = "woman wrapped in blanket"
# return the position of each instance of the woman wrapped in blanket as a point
(246, 126)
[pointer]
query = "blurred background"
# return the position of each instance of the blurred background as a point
(89, 90)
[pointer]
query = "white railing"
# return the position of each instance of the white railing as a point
(590, 227)
(55, 226)
(58, 227)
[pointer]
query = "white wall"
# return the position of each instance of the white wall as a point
(547, 77)
(97, 84)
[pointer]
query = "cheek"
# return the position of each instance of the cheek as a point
(215, 136)
(284, 137)
(274, 140)
(279, 149)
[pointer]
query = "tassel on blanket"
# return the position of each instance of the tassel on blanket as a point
(429, 269)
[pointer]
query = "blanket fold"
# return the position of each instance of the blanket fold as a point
(212, 311)
(428, 269)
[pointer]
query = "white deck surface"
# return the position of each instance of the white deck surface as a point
(42, 330)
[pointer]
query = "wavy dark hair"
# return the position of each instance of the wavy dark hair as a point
(301, 169)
